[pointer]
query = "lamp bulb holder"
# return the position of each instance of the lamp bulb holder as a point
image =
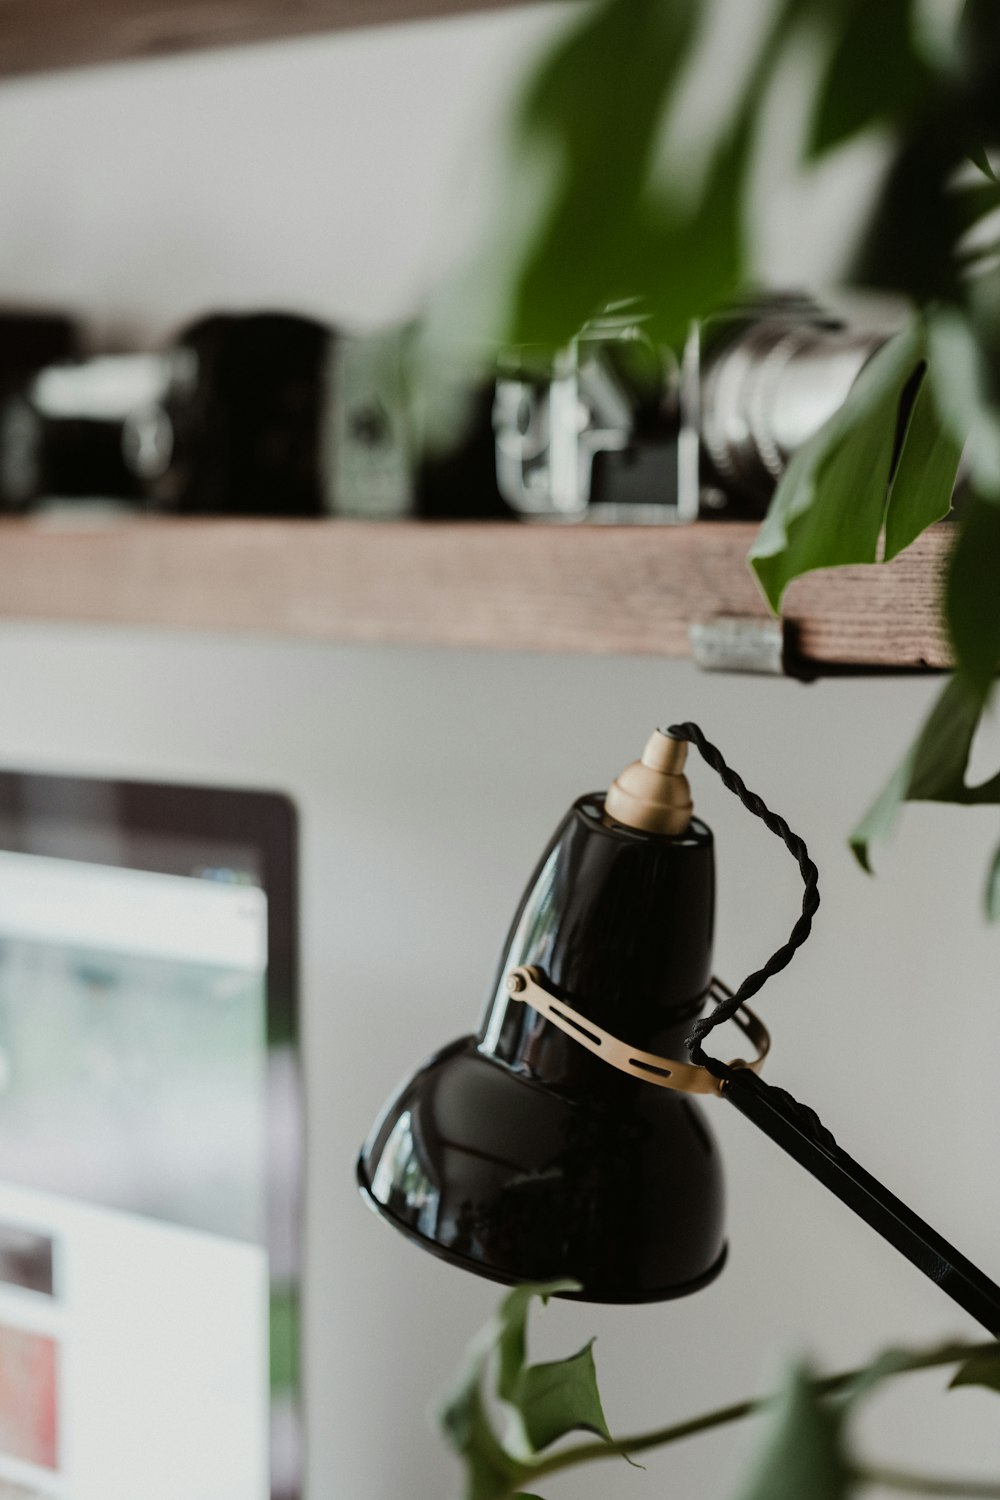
(652, 794)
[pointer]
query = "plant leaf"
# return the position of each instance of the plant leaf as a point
(702, 243)
(981, 158)
(874, 72)
(542, 1402)
(491, 1468)
(992, 892)
(933, 769)
(958, 373)
(909, 244)
(490, 1472)
(981, 1369)
(802, 1452)
(546, 1401)
(829, 506)
(561, 1397)
(924, 479)
(972, 594)
(589, 122)
(508, 1330)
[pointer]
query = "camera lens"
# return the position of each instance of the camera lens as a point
(769, 385)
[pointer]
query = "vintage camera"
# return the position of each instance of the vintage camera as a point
(225, 420)
(28, 342)
(275, 414)
(759, 381)
(616, 431)
(595, 435)
(259, 414)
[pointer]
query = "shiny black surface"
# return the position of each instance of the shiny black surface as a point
(519, 1154)
(620, 924)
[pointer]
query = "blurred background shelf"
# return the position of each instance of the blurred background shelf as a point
(40, 35)
(596, 589)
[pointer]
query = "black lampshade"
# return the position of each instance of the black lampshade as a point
(552, 1144)
(519, 1154)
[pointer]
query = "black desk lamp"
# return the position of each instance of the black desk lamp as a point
(562, 1140)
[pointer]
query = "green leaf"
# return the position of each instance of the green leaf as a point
(992, 893)
(490, 1471)
(560, 1397)
(981, 158)
(588, 126)
(541, 1403)
(880, 819)
(981, 1369)
(909, 244)
(972, 594)
(829, 506)
(508, 1330)
(702, 241)
(933, 769)
(545, 1401)
(802, 1453)
(491, 1468)
(699, 232)
(924, 479)
(874, 72)
(959, 375)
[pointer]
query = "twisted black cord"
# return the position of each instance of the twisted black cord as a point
(810, 898)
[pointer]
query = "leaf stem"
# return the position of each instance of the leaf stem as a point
(828, 1385)
(927, 1484)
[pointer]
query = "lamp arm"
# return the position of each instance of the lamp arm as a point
(796, 1130)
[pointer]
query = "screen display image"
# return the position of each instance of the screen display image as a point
(149, 1143)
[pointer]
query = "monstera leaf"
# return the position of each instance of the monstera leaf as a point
(933, 769)
(849, 481)
(873, 74)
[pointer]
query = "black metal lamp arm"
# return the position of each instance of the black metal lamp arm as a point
(798, 1132)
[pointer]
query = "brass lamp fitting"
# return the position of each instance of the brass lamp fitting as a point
(653, 793)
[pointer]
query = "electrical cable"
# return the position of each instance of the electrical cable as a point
(783, 956)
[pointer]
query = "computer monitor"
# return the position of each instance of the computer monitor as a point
(150, 1142)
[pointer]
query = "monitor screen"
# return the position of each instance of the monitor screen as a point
(149, 1143)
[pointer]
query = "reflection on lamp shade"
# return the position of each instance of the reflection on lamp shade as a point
(520, 1155)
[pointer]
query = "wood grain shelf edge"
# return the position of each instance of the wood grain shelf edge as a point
(597, 589)
(44, 35)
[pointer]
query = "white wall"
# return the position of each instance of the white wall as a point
(330, 175)
(428, 783)
(333, 176)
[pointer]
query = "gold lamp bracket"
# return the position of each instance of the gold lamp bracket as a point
(524, 983)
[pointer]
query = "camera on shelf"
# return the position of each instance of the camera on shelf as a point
(616, 430)
(225, 420)
(260, 414)
(275, 414)
(596, 435)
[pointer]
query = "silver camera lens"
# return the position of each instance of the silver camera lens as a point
(766, 387)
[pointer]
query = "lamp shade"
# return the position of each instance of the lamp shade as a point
(519, 1154)
(552, 1144)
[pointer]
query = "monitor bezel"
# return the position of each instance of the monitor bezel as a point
(33, 806)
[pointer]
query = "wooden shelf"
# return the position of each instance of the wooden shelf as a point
(38, 35)
(472, 584)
